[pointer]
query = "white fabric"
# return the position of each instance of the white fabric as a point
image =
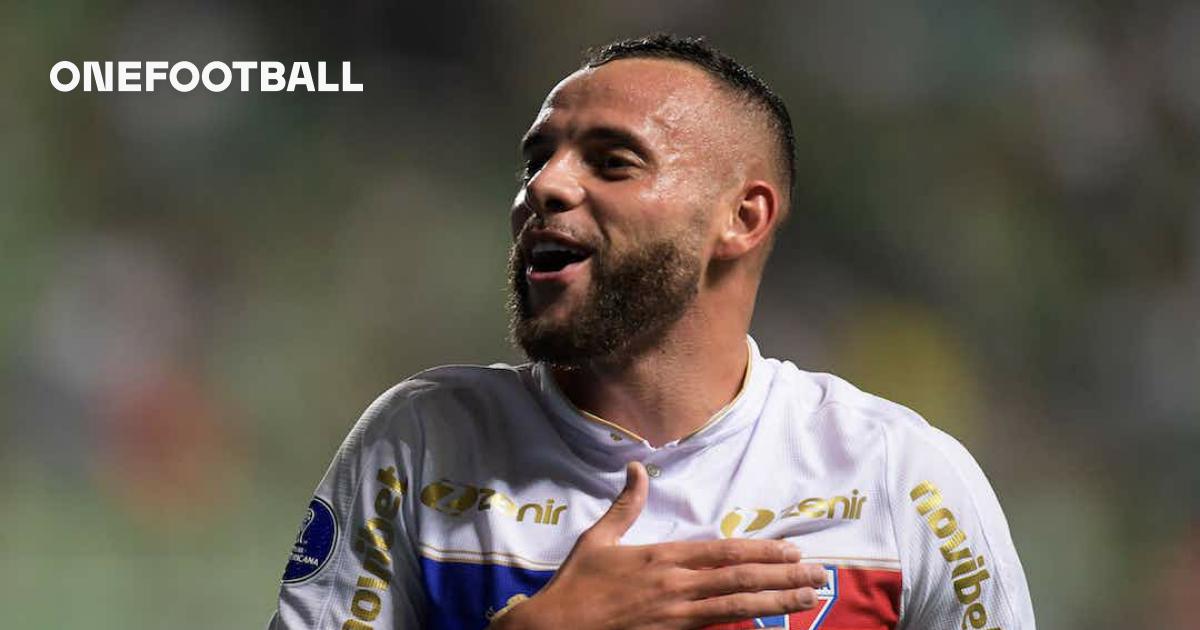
(792, 447)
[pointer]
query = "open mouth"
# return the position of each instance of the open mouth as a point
(550, 257)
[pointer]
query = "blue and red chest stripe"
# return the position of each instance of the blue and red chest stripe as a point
(461, 595)
(855, 599)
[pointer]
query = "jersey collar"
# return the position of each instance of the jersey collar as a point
(593, 433)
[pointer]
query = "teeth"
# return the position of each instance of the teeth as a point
(542, 247)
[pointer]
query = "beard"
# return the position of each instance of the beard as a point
(633, 298)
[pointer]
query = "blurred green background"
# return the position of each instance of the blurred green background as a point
(997, 224)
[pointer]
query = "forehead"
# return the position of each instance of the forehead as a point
(653, 97)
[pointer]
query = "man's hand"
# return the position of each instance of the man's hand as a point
(674, 585)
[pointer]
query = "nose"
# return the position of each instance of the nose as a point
(554, 188)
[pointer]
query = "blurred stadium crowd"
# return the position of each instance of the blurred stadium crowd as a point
(997, 223)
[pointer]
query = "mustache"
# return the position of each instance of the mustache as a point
(534, 222)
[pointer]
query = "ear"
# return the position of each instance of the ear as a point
(750, 222)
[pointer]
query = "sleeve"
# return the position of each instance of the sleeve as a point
(959, 566)
(353, 565)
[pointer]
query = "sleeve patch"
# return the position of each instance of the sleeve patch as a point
(314, 544)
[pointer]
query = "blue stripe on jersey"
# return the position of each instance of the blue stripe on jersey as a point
(461, 594)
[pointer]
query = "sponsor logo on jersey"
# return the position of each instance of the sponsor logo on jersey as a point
(314, 542)
(968, 574)
(744, 522)
(457, 499)
(373, 543)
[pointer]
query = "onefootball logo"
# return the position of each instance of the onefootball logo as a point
(185, 76)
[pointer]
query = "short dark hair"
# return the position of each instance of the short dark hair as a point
(723, 68)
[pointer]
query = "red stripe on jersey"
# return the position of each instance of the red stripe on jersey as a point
(866, 599)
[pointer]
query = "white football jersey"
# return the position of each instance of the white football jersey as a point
(463, 488)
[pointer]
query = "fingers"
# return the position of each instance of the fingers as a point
(624, 510)
(751, 578)
(709, 554)
(742, 606)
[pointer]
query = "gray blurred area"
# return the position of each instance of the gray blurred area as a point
(997, 223)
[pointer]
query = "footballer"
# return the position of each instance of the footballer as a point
(650, 466)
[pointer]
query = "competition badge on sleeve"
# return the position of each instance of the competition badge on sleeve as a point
(314, 542)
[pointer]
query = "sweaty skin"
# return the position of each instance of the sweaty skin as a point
(631, 152)
(680, 165)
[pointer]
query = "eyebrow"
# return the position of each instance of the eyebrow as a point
(533, 139)
(603, 133)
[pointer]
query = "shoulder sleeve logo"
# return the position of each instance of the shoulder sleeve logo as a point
(314, 542)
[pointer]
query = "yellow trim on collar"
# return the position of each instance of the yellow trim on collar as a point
(721, 413)
(587, 415)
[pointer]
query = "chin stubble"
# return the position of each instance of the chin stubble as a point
(632, 300)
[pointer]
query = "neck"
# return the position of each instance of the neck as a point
(668, 391)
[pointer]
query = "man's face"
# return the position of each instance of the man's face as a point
(611, 225)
